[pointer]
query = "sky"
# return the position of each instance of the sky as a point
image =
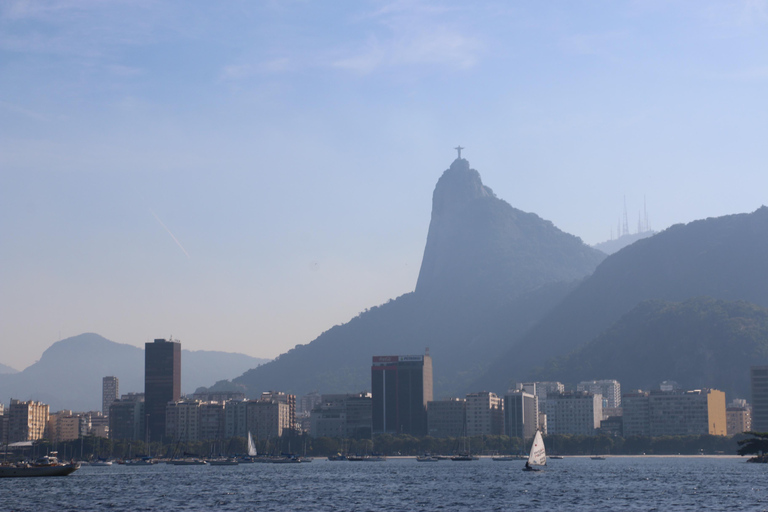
(243, 175)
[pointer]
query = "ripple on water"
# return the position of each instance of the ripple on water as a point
(573, 484)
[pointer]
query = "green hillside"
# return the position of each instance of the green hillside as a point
(701, 342)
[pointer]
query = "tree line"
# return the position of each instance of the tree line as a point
(90, 447)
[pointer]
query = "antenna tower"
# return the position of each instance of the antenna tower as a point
(625, 226)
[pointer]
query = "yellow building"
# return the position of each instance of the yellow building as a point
(718, 426)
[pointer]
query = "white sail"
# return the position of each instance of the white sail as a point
(538, 456)
(251, 446)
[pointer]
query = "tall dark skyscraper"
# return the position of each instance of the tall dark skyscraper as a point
(162, 383)
(401, 386)
(110, 391)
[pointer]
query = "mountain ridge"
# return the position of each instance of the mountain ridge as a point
(69, 372)
(722, 257)
(483, 262)
(700, 342)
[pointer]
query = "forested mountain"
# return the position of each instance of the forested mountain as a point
(701, 342)
(724, 258)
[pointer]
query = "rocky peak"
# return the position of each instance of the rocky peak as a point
(457, 186)
(480, 246)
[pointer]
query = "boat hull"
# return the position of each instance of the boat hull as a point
(33, 471)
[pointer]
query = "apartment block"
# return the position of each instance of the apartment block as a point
(447, 418)
(576, 413)
(521, 414)
(609, 389)
(127, 418)
(675, 413)
(342, 415)
(268, 419)
(759, 382)
(485, 414)
(236, 418)
(27, 421)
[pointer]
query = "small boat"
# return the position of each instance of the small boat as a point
(101, 463)
(427, 458)
(144, 461)
(366, 458)
(47, 465)
(337, 457)
(506, 458)
(597, 457)
(538, 455)
(556, 457)
(464, 457)
(188, 462)
(230, 461)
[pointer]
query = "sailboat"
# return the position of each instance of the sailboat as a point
(251, 457)
(538, 455)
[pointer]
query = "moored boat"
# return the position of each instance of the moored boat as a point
(44, 466)
(224, 462)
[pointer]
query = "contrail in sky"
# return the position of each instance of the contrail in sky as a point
(169, 232)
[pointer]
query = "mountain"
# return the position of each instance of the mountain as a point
(68, 374)
(724, 258)
(612, 246)
(701, 342)
(489, 272)
(4, 370)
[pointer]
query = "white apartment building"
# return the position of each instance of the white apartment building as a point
(574, 413)
(485, 414)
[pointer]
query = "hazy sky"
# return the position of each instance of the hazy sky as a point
(245, 175)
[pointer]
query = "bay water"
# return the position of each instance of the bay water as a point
(571, 484)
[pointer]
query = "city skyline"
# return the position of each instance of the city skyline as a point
(251, 175)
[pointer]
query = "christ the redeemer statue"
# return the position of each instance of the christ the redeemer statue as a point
(459, 148)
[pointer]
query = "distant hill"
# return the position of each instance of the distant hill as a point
(701, 342)
(489, 272)
(612, 246)
(4, 370)
(69, 373)
(724, 258)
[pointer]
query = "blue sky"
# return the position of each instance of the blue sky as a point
(245, 175)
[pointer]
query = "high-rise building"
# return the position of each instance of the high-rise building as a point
(343, 416)
(109, 393)
(675, 413)
(447, 418)
(485, 414)
(268, 419)
(236, 418)
(574, 413)
(401, 386)
(27, 421)
(759, 380)
(738, 416)
(541, 390)
(127, 418)
(162, 383)
(290, 400)
(521, 414)
(609, 389)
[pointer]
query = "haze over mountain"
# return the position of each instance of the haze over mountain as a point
(7, 370)
(701, 342)
(489, 272)
(69, 373)
(613, 246)
(724, 258)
